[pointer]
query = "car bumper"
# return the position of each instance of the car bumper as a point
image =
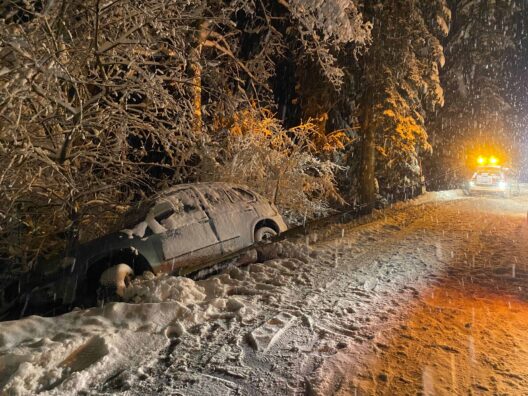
(488, 189)
(281, 223)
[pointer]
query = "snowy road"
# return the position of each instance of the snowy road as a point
(429, 296)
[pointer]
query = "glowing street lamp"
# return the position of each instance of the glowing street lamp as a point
(493, 161)
(481, 160)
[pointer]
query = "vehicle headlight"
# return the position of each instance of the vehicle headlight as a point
(471, 184)
(503, 184)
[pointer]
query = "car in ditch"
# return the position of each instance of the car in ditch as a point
(179, 231)
(493, 179)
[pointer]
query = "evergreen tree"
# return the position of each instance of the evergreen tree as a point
(400, 84)
(483, 96)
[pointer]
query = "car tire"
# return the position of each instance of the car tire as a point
(264, 234)
(113, 282)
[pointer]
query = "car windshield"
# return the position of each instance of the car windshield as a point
(136, 214)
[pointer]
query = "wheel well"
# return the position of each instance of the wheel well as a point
(136, 261)
(267, 223)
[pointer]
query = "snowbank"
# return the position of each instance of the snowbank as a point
(65, 354)
(441, 196)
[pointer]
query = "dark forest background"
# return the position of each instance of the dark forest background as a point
(317, 104)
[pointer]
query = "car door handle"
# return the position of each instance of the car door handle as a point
(204, 221)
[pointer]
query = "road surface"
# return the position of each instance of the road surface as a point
(429, 297)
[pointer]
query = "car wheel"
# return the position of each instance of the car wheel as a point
(113, 282)
(264, 234)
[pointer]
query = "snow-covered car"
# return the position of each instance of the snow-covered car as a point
(493, 179)
(179, 231)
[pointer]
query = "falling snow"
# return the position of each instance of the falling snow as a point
(384, 306)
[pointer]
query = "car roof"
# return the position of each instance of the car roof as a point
(139, 210)
(201, 186)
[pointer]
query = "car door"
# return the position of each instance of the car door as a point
(187, 235)
(225, 215)
(244, 211)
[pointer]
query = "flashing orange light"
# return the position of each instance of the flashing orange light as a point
(481, 160)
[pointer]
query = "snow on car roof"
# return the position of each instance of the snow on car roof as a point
(200, 186)
(139, 210)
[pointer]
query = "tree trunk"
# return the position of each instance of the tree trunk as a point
(367, 168)
(372, 88)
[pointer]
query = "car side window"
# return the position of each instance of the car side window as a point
(233, 196)
(136, 214)
(244, 194)
(156, 217)
(160, 208)
(189, 204)
(215, 197)
(164, 215)
(186, 211)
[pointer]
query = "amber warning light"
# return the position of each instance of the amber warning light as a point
(481, 160)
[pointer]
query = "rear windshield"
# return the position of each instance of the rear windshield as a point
(489, 171)
(244, 194)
